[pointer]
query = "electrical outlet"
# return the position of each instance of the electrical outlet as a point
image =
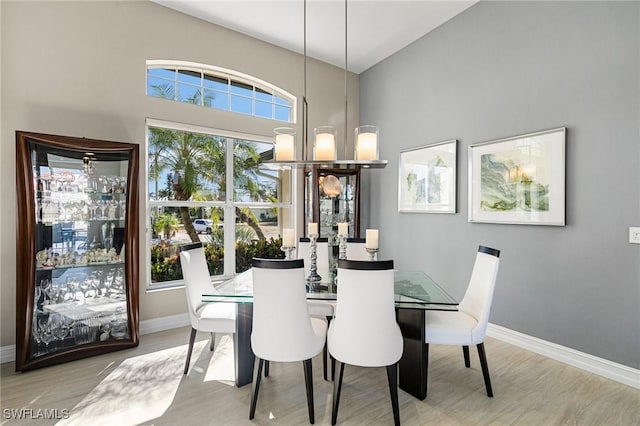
(634, 235)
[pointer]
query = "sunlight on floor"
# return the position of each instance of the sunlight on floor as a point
(221, 366)
(138, 390)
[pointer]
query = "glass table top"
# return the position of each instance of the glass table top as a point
(413, 290)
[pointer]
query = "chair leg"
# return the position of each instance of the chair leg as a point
(465, 352)
(308, 381)
(392, 376)
(485, 369)
(266, 368)
(256, 388)
(324, 357)
(192, 340)
(426, 369)
(337, 388)
(324, 361)
(213, 342)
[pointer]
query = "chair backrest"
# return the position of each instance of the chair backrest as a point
(322, 251)
(479, 295)
(282, 328)
(196, 276)
(364, 331)
(356, 249)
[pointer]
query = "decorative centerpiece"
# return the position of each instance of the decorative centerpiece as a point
(313, 278)
(343, 231)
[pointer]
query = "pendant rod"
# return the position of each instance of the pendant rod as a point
(305, 105)
(346, 86)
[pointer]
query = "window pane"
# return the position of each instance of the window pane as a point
(242, 89)
(169, 232)
(216, 99)
(252, 182)
(160, 88)
(283, 113)
(189, 94)
(264, 109)
(264, 96)
(191, 77)
(186, 166)
(264, 224)
(241, 104)
(169, 74)
(217, 83)
(281, 101)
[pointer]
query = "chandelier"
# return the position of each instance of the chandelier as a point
(323, 152)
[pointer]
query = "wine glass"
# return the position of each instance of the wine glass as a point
(44, 330)
(59, 328)
(72, 286)
(84, 287)
(46, 286)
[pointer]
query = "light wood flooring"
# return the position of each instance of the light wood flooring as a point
(145, 385)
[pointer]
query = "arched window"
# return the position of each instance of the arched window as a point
(219, 88)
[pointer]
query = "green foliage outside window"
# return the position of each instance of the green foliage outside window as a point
(165, 259)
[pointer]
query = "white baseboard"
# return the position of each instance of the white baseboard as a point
(164, 323)
(600, 366)
(7, 353)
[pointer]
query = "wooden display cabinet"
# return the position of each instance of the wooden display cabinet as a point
(77, 248)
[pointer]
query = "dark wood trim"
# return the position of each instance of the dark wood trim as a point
(243, 354)
(26, 246)
(489, 251)
(190, 246)
(365, 265)
(277, 263)
(413, 364)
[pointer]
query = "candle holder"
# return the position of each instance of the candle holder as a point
(288, 252)
(342, 245)
(313, 279)
(373, 254)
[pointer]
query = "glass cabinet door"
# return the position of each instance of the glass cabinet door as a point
(77, 244)
(331, 197)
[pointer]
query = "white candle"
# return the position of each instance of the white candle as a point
(371, 239)
(284, 147)
(367, 144)
(312, 228)
(343, 228)
(325, 147)
(288, 238)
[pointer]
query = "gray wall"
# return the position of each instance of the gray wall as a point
(506, 68)
(78, 69)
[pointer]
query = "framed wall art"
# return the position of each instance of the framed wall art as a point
(519, 180)
(427, 178)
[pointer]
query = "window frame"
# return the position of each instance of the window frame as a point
(228, 205)
(231, 77)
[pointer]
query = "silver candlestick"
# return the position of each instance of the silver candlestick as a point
(373, 254)
(288, 252)
(342, 244)
(313, 277)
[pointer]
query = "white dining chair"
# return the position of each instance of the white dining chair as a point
(283, 330)
(208, 317)
(468, 325)
(356, 249)
(318, 308)
(364, 331)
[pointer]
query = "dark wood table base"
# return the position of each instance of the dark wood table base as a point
(413, 364)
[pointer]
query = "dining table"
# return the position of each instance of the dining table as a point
(414, 291)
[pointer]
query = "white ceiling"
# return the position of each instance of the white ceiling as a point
(376, 28)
